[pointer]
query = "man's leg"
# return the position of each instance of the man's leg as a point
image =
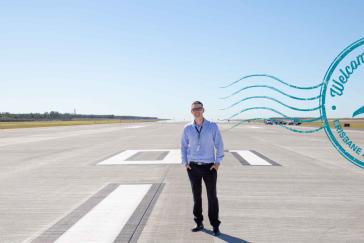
(210, 179)
(196, 184)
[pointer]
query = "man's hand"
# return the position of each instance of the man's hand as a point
(216, 166)
(188, 166)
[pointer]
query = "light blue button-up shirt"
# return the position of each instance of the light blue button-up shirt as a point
(210, 138)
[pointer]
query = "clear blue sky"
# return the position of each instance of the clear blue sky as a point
(154, 58)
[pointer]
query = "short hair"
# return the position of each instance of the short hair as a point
(197, 103)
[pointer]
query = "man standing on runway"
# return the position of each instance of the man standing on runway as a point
(199, 139)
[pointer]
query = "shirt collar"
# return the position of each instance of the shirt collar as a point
(203, 122)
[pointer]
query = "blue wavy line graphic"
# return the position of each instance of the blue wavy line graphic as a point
(272, 88)
(293, 97)
(275, 100)
(262, 108)
(281, 125)
(273, 78)
(358, 111)
(295, 119)
(284, 126)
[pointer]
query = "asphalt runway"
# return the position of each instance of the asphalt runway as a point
(125, 183)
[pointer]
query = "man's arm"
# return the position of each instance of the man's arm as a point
(219, 144)
(184, 146)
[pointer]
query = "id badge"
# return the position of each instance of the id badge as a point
(198, 148)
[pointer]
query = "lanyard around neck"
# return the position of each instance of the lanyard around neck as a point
(199, 131)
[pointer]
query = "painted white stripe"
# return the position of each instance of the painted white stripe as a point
(253, 127)
(105, 221)
(173, 157)
(129, 127)
(251, 158)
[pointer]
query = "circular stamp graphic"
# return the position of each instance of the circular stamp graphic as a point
(342, 102)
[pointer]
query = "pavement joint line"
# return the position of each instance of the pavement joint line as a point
(138, 230)
(132, 230)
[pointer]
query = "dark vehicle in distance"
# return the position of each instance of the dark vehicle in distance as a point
(268, 122)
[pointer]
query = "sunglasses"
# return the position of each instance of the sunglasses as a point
(197, 109)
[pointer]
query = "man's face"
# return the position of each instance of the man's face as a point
(197, 110)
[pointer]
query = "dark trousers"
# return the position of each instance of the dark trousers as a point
(196, 174)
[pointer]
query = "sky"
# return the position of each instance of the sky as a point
(154, 58)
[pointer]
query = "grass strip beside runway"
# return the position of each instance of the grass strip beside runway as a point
(27, 124)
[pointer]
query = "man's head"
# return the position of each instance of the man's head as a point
(197, 109)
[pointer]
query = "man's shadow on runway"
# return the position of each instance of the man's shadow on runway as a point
(225, 237)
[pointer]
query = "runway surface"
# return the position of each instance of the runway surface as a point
(125, 183)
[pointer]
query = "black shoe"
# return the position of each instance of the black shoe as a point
(198, 228)
(216, 231)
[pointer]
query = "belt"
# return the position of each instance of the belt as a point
(199, 163)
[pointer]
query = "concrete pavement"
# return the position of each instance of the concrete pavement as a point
(54, 186)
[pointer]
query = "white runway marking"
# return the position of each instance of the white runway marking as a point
(253, 127)
(105, 221)
(130, 127)
(251, 158)
(173, 157)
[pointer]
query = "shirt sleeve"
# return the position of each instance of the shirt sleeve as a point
(184, 147)
(219, 144)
